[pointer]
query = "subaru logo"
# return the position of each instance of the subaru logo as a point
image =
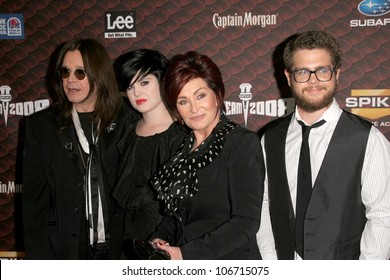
(374, 7)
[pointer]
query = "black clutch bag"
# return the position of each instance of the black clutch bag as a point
(146, 250)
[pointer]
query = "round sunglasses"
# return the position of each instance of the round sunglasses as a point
(78, 73)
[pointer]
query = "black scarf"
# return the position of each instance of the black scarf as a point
(177, 178)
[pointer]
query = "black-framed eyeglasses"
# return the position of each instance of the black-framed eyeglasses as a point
(323, 74)
(78, 73)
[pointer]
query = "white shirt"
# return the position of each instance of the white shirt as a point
(375, 242)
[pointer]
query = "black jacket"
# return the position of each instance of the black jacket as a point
(221, 220)
(53, 196)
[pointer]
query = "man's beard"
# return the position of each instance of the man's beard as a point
(311, 106)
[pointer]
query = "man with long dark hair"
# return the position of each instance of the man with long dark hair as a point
(70, 158)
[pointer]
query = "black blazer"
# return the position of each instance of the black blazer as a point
(221, 220)
(53, 196)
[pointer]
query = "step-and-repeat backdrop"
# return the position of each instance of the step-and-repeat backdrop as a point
(245, 38)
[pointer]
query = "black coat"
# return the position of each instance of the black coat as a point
(53, 196)
(221, 220)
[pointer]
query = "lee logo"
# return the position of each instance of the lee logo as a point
(119, 22)
(120, 25)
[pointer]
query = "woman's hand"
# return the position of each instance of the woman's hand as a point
(174, 252)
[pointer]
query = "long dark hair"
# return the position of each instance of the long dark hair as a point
(101, 76)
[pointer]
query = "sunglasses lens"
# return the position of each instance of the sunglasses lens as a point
(64, 72)
(78, 73)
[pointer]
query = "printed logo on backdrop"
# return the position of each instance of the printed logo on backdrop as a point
(11, 26)
(10, 187)
(373, 9)
(247, 19)
(120, 25)
(271, 108)
(372, 104)
(8, 108)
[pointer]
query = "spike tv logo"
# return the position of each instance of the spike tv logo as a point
(372, 104)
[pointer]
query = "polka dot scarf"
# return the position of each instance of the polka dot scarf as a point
(177, 178)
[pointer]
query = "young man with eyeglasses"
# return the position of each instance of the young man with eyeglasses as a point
(327, 187)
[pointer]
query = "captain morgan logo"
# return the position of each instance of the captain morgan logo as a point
(272, 108)
(372, 104)
(248, 19)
